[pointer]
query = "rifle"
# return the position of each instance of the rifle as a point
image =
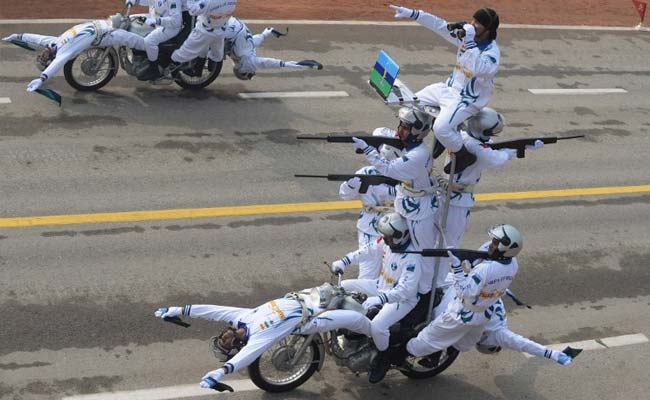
(462, 254)
(374, 141)
(520, 144)
(366, 180)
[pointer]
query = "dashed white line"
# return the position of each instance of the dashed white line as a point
(165, 393)
(599, 344)
(5, 100)
(577, 91)
(275, 95)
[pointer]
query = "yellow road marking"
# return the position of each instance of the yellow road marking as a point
(157, 215)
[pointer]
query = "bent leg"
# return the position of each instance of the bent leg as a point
(380, 325)
(337, 319)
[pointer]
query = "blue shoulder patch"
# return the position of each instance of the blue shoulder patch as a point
(410, 268)
(405, 159)
(476, 279)
(494, 60)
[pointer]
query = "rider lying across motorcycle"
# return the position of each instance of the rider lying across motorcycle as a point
(396, 289)
(241, 46)
(59, 50)
(252, 331)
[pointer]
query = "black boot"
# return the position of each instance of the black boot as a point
(438, 148)
(463, 160)
(431, 360)
(379, 366)
(151, 73)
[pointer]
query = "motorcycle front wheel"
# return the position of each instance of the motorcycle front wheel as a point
(414, 369)
(86, 74)
(194, 83)
(272, 371)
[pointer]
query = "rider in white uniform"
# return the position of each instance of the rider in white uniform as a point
(377, 200)
(252, 331)
(59, 50)
(470, 85)
(165, 16)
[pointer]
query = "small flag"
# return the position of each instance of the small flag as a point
(383, 74)
(640, 8)
(23, 44)
(50, 94)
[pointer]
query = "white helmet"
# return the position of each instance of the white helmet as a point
(394, 228)
(510, 240)
(387, 151)
(485, 124)
(419, 121)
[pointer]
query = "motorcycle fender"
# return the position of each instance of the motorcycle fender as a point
(321, 347)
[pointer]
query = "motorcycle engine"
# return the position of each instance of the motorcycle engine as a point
(353, 352)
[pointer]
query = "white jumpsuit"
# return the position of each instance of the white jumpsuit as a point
(267, 324)
(415, 198)
(469, 86)
(462, 199)
(169, 23)
(375, 202)
(207, 37)
(79, 38)
(398, 286)
(475, 301)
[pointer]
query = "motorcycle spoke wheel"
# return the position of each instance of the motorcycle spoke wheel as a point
(274, 363)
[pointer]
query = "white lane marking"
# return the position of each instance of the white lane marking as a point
(355, 23)
(577, 91)
(164, 393)
(614, 341)
(5, 100)
(272, 95)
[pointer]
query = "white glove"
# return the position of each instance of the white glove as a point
(151, 21)
(456, 265)
(215, 375)
(12, 37)
(354, 183)
(511, 153)
(535, 146)
(337, 267)
(470, 32)
(359, 143)
(402, 12)
(371, 302)
(561, 358)
(165, 312)
(35, 84)
(196, 8)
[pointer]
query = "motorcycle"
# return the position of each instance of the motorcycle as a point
(293, 360)
(96, 66)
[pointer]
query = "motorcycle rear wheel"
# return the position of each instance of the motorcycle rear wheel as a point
(271, 372)
(82, 74)
(414, 370)
(194, 83)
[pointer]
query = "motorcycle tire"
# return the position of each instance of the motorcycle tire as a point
(452, 354)
(259, 380)
(193, 83)
(70, 74)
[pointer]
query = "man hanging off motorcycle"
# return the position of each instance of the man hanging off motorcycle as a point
(463, 321)
(470, 85)
(396, 291)
(251, 331)
(59, 50)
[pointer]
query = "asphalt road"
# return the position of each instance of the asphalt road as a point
(78, 300)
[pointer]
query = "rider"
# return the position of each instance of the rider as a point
(377, 200)
(397, 288)
(476, 133)
(209, 30)
(416, 198)
(469, 87)
(474, 298)
(241, 47)
(59, 50)
(252, 331)
(165, 16)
